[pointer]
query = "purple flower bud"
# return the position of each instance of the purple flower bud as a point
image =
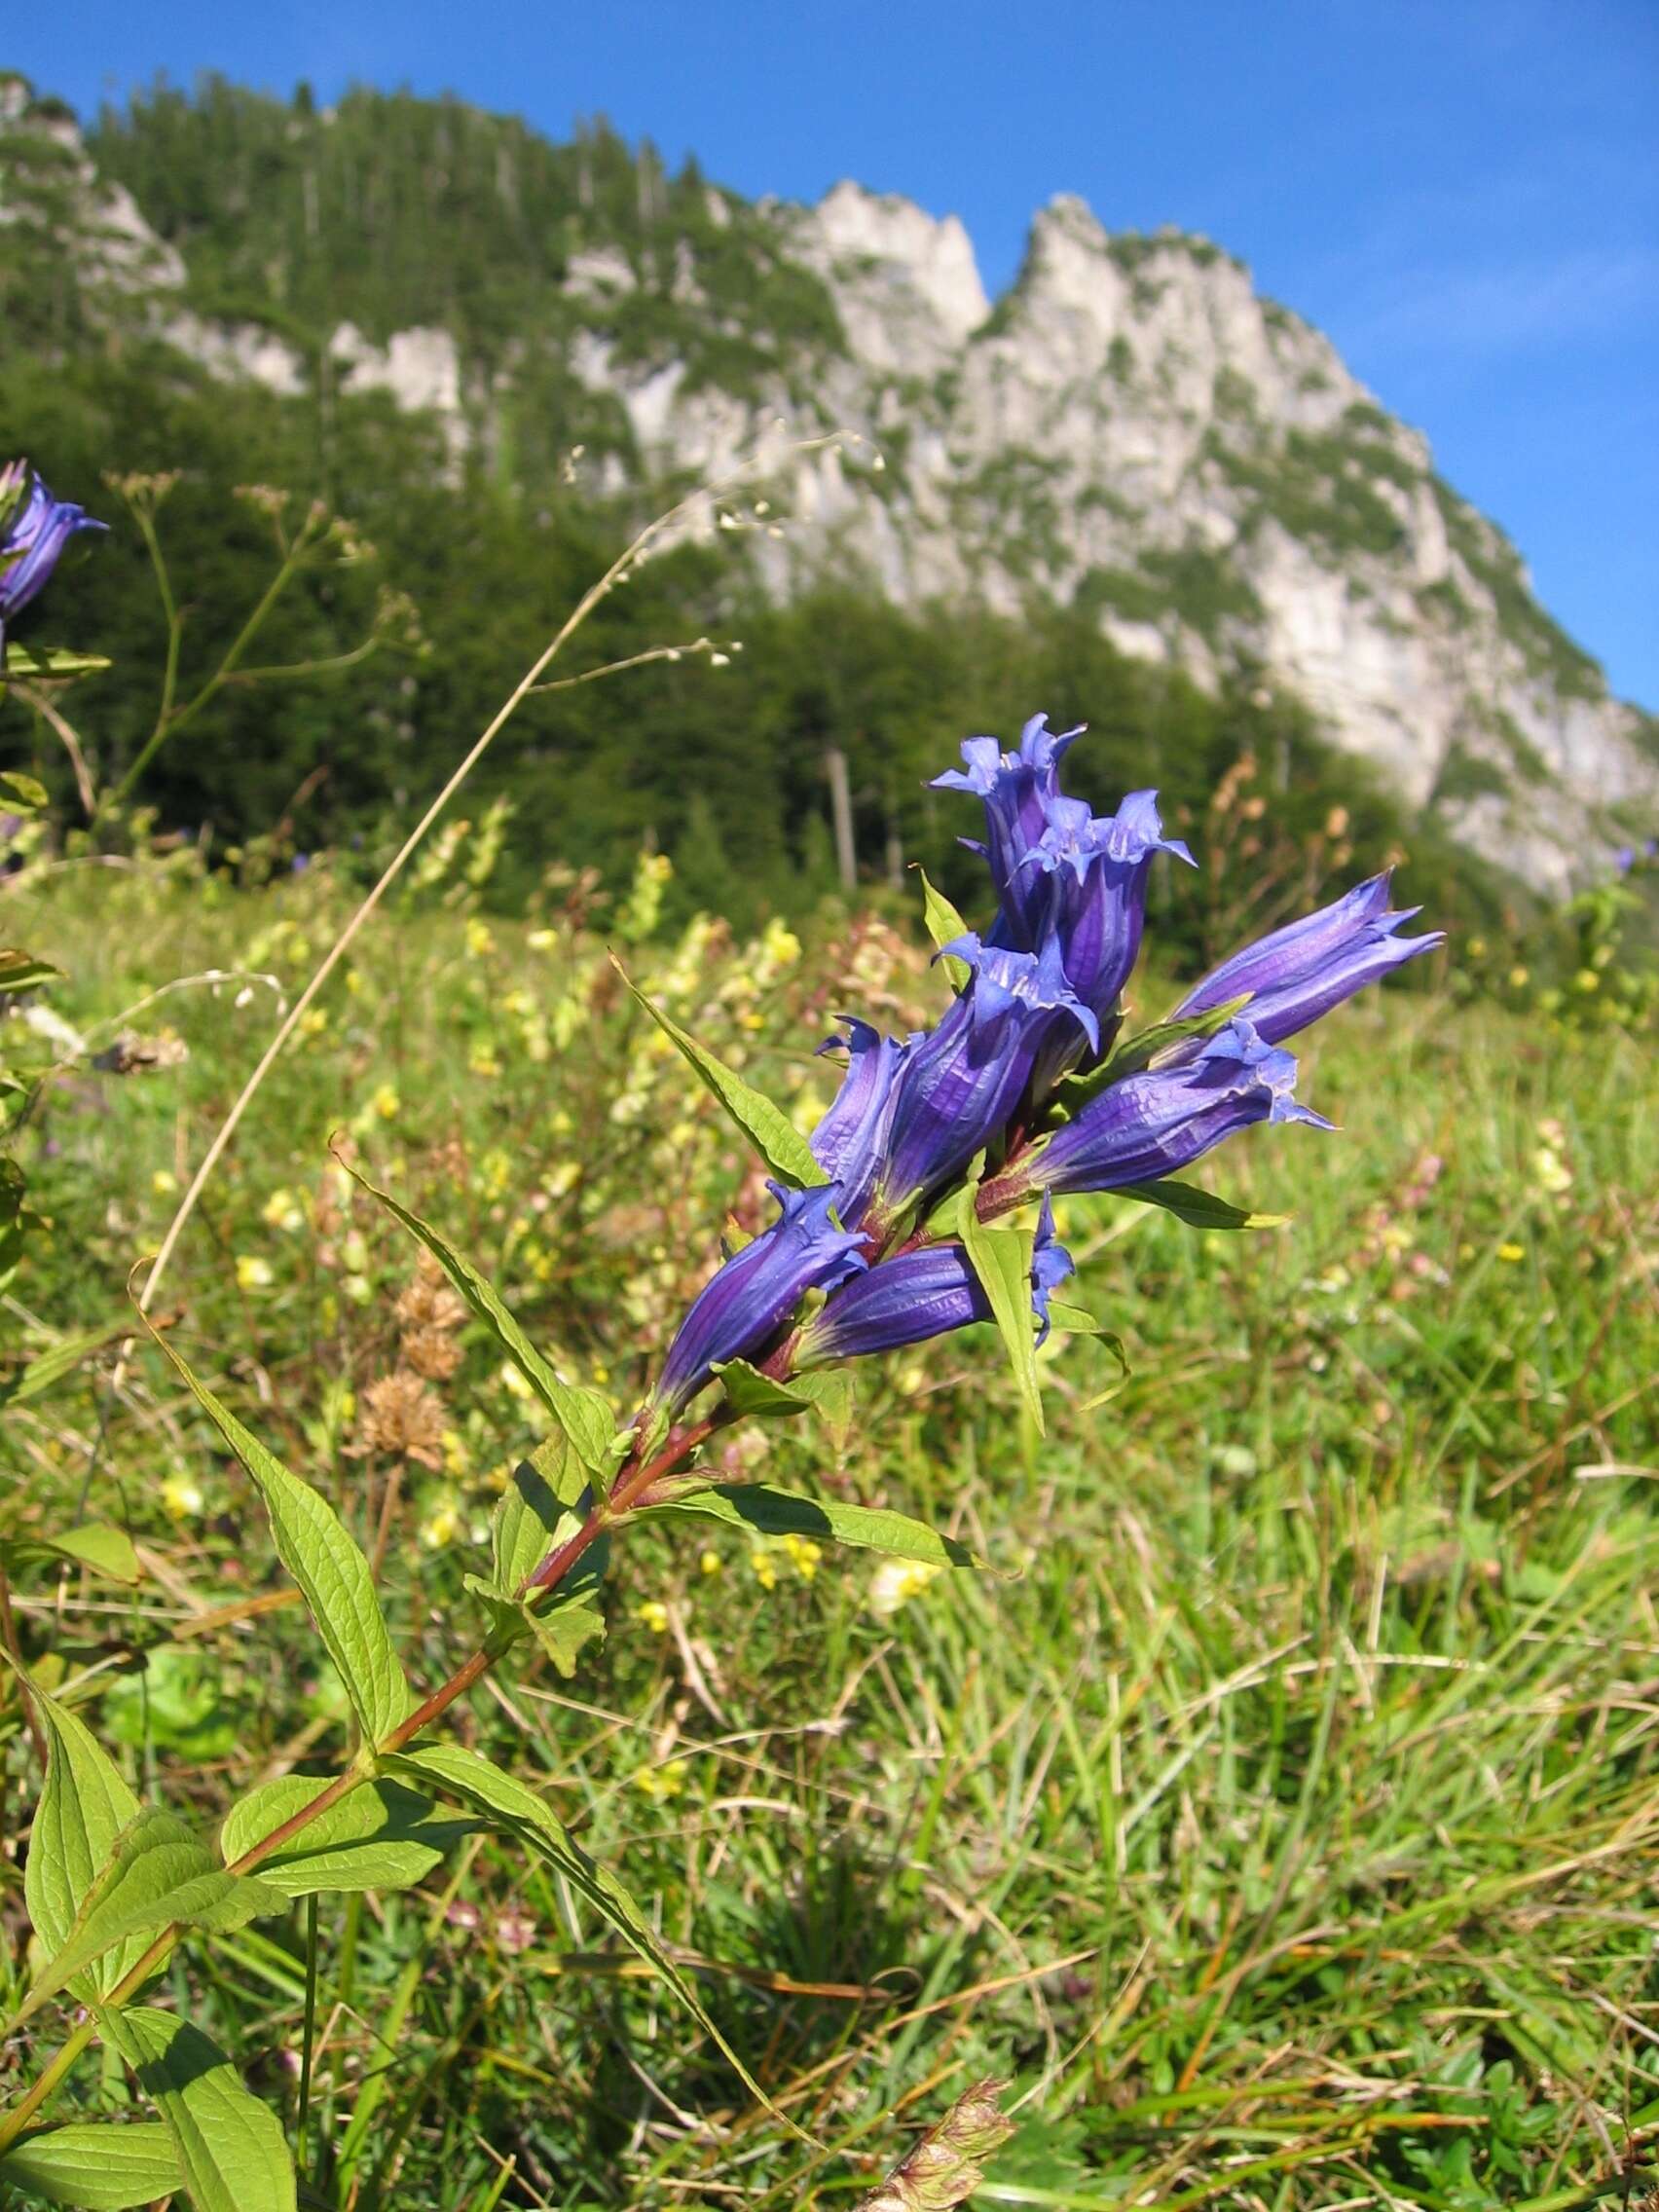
(1155, 1124)
(34, 528)
(921, 1294)
(1018, 789)
(1302, 972)
(961, 1083)
(750, 1298)
(850, 1142)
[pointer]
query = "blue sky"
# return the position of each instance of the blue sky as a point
(1464, 194)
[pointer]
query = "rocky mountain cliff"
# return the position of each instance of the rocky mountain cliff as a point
(1131, 428)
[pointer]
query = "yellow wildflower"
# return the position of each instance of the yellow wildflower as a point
(1512, 1253)
(181, 1497)
(441, 1525)
(765, 1569)
(479, 941)
(253, 1272)
(654, 1614)
(710, 1562)
(513, 1383)
(661, 1781)
(164, 1182)
(313, 1021)
(804, 1556)
(896, 1581)
(283, 1210)
(386, 1103)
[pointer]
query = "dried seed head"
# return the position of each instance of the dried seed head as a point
(430, 1351)
(401, 1417)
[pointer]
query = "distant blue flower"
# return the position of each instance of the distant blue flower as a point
(1302, 972)
(1018, 789)
(749, 1299)
(1623, 859)
(921, 1294)
(960, 1085)
(1157, 1122)
(850, 1141)
(34, 528)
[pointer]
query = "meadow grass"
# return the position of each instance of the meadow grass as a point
(1279, 1817)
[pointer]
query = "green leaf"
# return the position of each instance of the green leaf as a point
(756, 1396)
(1075, 1322)
(83, 1808)
(584, 1415)
(545, 1504)
(107, 2166)
(36, 1378)
(768, 1512)
(534, 1826)
(50, 660)
(830, 1393)
(22, 970)
(381, 1837)
(1001, 1257)
(230, 2147)
(327, 1564)
(20, 793)
(767, 1127)
(158, 1875)
(107, 1550)
(945, 926)
(1202, 1209)
(1140, 1050)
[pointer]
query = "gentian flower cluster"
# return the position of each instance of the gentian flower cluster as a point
(34, 528)
(1013, 1088)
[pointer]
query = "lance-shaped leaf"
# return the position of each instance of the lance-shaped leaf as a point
(1076, 1321)
(584, 1415)
(1199, 1208)
(103, 2165)
(20, 793)
(545, 1504)
(1001, 1257)
(381, 1836)
(511, 1804)
(83, 1806)
(946, 926)
(1146, 1045)
(22, 970)
(158, 1875)
(767, 1127)
(756, 1396)
(231, 2148)
(767, 1512)
(96, 1544)
(38, 1376)
(51, 660)
(327, 1564)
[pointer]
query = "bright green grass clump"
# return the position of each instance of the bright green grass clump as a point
(1283, 1825)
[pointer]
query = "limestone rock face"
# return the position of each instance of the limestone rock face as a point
(1132, 428)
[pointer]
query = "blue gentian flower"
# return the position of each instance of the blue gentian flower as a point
(1018, 789)
(850, 1142)
(34, 528)
(747, 1300)
(1155, 1124)
(960, 1085)
(1302, 972)
(1096, 867)
(921, 1294)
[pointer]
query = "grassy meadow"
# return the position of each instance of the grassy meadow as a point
(1278, 1818)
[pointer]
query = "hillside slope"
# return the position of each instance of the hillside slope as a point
(1131, 430)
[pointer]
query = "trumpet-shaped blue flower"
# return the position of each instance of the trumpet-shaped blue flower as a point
(850, 1142)
(749, 1299)
(1017, 790)
(1096, 867)
(921, 1294)
(34, 528)
(960, 1085)
(1299, 973)
(1155, 1124)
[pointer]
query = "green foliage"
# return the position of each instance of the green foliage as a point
(104, 2167)
(1550, 655)
(328, 1566)
(383, 1836)
(230, 2147)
